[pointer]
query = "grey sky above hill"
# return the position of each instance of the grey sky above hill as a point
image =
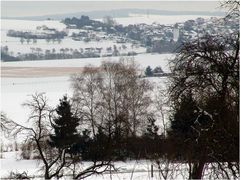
(41, 8)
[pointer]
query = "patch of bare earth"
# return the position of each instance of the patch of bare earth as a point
(28, 72)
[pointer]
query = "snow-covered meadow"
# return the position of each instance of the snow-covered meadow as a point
(130, 169)
(134, 170)
(141, 59)
(15, 47)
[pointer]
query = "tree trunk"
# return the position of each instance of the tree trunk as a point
(46, 175)
(197, 170)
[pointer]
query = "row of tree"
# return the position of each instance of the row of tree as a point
(34, 40)
(54, 34)
(64, 53)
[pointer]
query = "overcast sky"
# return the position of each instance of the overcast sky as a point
(38, 8)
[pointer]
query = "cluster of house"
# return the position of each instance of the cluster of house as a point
(194, 29)
(148, 35)
(188, 30)
(87, 35)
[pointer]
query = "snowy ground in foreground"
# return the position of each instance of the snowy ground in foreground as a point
(130, 169)
(140, 168)
(15, 91)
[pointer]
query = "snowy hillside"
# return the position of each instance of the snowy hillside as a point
(159, 19)
(15, 47)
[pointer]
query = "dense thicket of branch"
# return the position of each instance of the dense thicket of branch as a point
(205, 97)
(38, 132)
(233, 7)
(113, 98)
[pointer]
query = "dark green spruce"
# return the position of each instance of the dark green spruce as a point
(65, 127)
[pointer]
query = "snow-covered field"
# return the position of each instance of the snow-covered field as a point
(15, 91)
(126, 170)
(142, 59)
(130, 169)
(15, 47)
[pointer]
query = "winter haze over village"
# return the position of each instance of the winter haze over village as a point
(119, 90)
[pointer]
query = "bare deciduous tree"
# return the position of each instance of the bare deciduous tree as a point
(55, 161)
(233, 7)
(38, 133)
(86, 95)
(208, 71)
(113, 96)
(126, 95)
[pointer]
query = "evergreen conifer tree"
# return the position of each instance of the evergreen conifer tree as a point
(64, 125)
(152, 129)
(148, 71)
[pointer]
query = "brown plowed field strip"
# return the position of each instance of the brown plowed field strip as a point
(28, 72)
